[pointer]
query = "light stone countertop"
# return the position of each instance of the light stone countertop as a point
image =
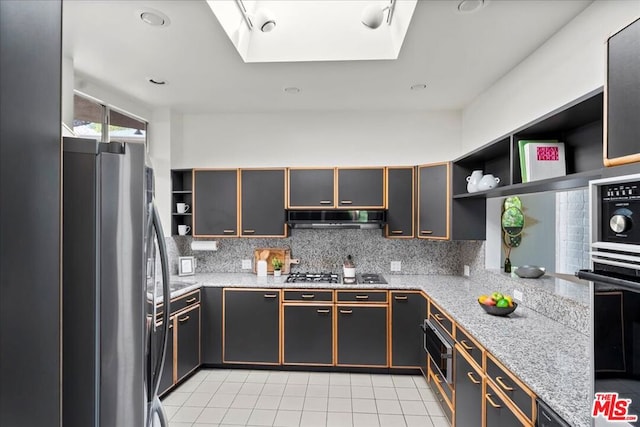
(552, 359)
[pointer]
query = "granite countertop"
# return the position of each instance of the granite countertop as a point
(546, 355)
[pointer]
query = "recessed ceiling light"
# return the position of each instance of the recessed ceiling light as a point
(418, 86)
(469, 6)
(156, 81)
(292, 89)
(153, 17)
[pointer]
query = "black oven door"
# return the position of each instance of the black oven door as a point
(439, 347)
(616, 334)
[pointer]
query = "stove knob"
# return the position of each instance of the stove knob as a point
(620, 223)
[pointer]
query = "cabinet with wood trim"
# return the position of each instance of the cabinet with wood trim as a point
(408, 311)
(360, 188)
(400, 202)
(262, 203)
(215, 203)
(311, 188)
(433, 201)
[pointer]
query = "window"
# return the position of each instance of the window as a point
(92, 119)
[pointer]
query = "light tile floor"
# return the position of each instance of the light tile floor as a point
(236, 397)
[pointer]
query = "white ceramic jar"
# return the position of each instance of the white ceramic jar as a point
(488, 182)
(473, 180)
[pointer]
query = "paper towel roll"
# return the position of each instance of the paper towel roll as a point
(261, 268)
(204, 245)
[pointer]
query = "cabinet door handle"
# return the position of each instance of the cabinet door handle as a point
(228, 231)
(346, 202)
(270, 295)
(346, 311)
(397, 231)
(426, 231)
(191, 300)
(465, 345)
(438, 380)
(308, 296)
(439, 317)
(325, 311)
(248, 231)
(473, 380)
(171, 326)
(325, 202)
(362, 296)
(503, 385)
(491, 402)
(400, 297)
(184, 319)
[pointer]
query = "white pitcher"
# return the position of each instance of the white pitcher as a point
(488, 182)
(473, 180)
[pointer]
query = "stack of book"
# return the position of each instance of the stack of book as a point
(541, 159)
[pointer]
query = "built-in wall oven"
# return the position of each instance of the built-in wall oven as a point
(615, 289)
(439, 346)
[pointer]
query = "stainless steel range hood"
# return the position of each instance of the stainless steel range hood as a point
(331, 219)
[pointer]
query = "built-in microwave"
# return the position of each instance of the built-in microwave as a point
(439, 346)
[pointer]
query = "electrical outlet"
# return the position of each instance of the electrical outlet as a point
(396, 266)
(246, 264)
(466, 271)
(517, 295)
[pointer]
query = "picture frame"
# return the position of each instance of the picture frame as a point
(186, 266)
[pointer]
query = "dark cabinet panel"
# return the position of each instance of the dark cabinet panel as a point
(408, 311)
(468, 386)
(251, 326)
(166, 379)
(211, 337)
(262, 202)
(498, 414)
(362, 296)
(361, 187)
(308, 334)
(362, 335)
(215, 207)
(311, 188)
(400, 206)
(433, 201)
(187, 327)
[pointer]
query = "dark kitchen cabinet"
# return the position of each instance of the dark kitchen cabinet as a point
(262, 203)
(433, 201)
(362, 335)
(308, 334)
(215, 197)
(251, 327)
(311, 188)
(498, 413)
(166, 379)
(211, 337)
(468, 395)
(400, 204)
(361, 188)
(187, 330)
(408, 311)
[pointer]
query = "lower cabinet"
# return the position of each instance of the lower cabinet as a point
(251, 326)
(408, 311)
(211, 323)
(308, 334)
(362, 335)
(468, 395)
(498, 413)
(187, 330)
(166, 379)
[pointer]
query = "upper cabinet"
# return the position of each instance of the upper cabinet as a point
(262, 203)
(433, 201)
(311, 188)
(215, 200)
(360, 188)
(181, 201)
(400, 204)
(622, 97)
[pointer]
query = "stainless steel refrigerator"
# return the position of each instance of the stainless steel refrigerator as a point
(114, 276)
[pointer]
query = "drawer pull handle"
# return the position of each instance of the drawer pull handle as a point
(191, 300)
(465, 345)
(346, 311)
(437, 378)
(308, 296)
(270, 295)
(491, 402)
(248, 231)
(184, 319)
(325, 202)
(503, 385)
(397, 231)
(426, 231)
(346, 202)
(171, 326)
(401, 297)
(438, 316)
(325, 311)
(473, 380)
(228, 231)
(362, 296)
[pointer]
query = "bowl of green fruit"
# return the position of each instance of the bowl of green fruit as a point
(497, 304)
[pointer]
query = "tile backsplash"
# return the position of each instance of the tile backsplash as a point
(325, 250)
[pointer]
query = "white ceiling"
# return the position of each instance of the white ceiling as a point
(457, 55)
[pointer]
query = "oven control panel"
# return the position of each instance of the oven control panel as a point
(620, 212)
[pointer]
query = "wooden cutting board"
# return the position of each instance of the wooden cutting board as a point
(283, 254)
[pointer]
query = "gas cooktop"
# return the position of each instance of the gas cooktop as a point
(364, 278)
(370, 279)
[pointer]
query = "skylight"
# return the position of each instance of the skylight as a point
(313, 30)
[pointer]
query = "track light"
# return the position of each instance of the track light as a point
(264, 19)
(373, 15)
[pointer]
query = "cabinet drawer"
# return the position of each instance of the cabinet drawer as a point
(310, 296)
(513, 388)
(362, 296)
(439, 315)
(185, 301)
(442, 400)
(469, 346)
(441, 381)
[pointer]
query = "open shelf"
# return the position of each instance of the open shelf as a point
(181, 192)
(182, 214)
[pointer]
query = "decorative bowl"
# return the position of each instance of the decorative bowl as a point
(529, 271)
(498, 311)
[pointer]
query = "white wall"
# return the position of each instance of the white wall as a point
(569, 65)
(317, 139)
